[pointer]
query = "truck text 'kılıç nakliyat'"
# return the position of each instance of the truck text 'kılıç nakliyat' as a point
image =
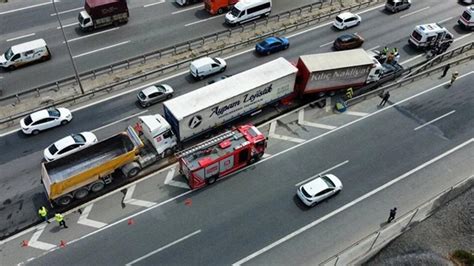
(101, 13)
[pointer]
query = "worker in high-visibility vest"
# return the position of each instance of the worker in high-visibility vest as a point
(349, 93)
(384, 51)
(43, 213)
(60, 219)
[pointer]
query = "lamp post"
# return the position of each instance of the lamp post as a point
(68, 48)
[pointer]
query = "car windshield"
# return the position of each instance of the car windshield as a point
(339, 19)
(305, 193)
(416, 35)
(54, 112)
(8, 54)
(265, 43)
(216, 61)
(466, 15)
(53, 149)
(160, 88)
(80, 18)
(141, 95)
(28, 120)
(78, 138)
(235, 12)
(328, 181)
(391, 2)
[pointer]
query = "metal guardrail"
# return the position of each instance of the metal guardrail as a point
(367, 246)
(172, 50)
(448, 55)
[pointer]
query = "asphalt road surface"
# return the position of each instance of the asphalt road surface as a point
(21, 192)
(150, 27)
(243, 214)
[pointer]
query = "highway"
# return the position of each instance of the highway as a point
(249, 211)
(151, 26)
(21, 191)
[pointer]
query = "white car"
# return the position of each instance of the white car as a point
(206, 66)
(346, 20)
(68, 145)
(44, 119)
(319, 189)
(154, 94)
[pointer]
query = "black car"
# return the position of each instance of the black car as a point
(348, 41)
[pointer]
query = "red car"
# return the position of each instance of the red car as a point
(348, 41)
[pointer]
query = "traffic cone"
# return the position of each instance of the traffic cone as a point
(131, 221)
(24, 243)
(62, 244)
(188, 202)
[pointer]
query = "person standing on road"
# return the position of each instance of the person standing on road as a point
(445, 70)
(384, 98)
(60, 219)
(391, 217)
(43, 213)
(384, 51)
(454, 76)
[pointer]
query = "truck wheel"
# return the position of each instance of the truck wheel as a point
(220, 11)
(64, 200)
(132, 169)
(211, 180)
(12, 67)
(167, 152)
(97, 186)
(81, 193)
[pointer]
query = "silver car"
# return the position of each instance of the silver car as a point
(319, 189)
(154, 94)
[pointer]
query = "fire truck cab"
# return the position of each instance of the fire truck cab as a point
(204, 163)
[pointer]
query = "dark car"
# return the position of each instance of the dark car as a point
(348, 41)
(272, 45)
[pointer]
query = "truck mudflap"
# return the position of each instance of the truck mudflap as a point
(137, 142)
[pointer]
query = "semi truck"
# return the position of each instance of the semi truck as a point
(206, 162)
(218, 6)
(101, 13)
(76, 175)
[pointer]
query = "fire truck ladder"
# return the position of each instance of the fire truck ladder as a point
(206, 144)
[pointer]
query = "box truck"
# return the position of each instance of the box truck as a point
(101, 13)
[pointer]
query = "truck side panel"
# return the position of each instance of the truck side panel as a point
(336, 79)
(85, 166)
(104, 8)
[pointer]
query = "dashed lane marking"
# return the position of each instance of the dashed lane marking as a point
(21, 37)
(356, 113)
(23, 8)
(323, 172)
(414, 12)
(436, 119)
(187, 9)
(153, 4)
(66, 11)
(202, 20)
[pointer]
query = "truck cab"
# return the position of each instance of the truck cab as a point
(85, 21)
(157, 131)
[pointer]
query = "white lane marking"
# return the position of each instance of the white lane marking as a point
(302, 122)
(354, 113)
(411, 59)
(23, 8)
(190, 191)
(266, 155)
(35, 243)
(444, 20)
(93, 34)
(350, 204)
(85, 221)
(462, 37)
(326, 44)
(152, 4)
(68, 25)
(163, 248)
(170, 182)
(66, 11)
(322, 173)
(414, 12)
(203, 20)
(20, 37)
(120, 120)
(187, 9)
(373, 48)
(271, 134)
(101, 49)
(434, 120)
(129, 200)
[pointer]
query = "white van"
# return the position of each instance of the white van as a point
(246, 10)
(466, 20)
(428, 35)
(25, 53)
(206, 66)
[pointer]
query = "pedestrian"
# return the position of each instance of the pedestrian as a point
(43, 213)
(385, 97)
(454, 76)
(445, 70)
(395, 51)
(393, 212)
(384, 51)
(60, 219)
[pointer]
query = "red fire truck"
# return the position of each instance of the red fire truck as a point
(204, 163)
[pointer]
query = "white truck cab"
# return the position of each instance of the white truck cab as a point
(24, 53)
(466, 20)
(428, 35)
(158, 131)
(85, 20)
